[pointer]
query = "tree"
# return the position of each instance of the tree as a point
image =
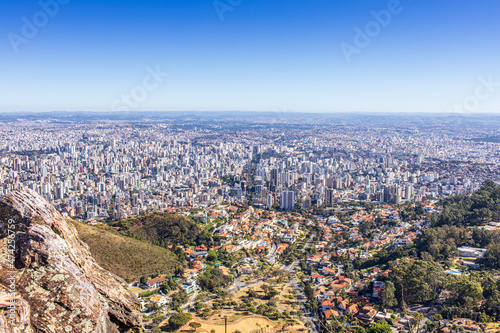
(380, 328)
(417, 281)
(431, 326)
(179, 298)
(154, 325)
(251, 293)
(388, 298)
(212, 255)
(416, 322)
(466, 290)
(492, 256)
(194, 325)
(213, 278)
(272, 293)
(178, 320)
(309, 290)
(493, 303)
(157, 321)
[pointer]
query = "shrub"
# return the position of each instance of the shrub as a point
(179, 319)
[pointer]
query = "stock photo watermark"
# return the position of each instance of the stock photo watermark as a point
(30, 27)
(279, 114)
(8, 299)
(224, 6)
(484, 90)
(140, 92)
(364, 36)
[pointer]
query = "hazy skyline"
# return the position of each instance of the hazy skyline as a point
(296, 56)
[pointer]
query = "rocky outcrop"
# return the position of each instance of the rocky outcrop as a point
(61, 286)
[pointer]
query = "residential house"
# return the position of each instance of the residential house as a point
(155, 282)
(471, 252)
(378, 287)
(343, 305)
(367, 314)
(161, 300)
(353, 310)
(328, 271)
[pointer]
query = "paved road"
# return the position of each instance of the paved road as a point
(294, 264)
(308, 318)
(271, 256)
(308, 243)
(238, 284)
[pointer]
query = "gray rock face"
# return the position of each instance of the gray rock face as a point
(61, 286)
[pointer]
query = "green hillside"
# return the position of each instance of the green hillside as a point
(126, 257)
(163, 229)
(474, 209)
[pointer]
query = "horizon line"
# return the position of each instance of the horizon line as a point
(257, 112)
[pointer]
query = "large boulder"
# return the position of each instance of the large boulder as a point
(62, 288)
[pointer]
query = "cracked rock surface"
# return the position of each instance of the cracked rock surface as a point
(62, 288)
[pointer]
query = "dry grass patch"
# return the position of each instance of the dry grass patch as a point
(282, 300)
(493, 328)
(247, 325)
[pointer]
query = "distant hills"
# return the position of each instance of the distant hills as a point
(493, 139)
(230, 116)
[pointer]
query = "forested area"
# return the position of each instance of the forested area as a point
(164, 229)
(460, 224)
(418, 271)
(476, 209)
(475, 296)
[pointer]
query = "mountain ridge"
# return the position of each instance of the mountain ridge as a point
(62, 288)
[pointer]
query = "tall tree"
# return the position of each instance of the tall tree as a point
(388, 297)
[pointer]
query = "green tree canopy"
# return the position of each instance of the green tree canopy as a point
(178, 320)
(379, 328)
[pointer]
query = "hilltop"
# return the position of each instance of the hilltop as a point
(162, 229)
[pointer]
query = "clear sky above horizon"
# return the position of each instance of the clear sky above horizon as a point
(250, 55)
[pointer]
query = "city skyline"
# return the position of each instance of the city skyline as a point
(183, 206)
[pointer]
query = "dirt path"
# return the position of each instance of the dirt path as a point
(245, 325)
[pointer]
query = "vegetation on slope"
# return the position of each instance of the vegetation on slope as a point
(124, 256)
(475, 294)
(164, 229)
(472, 210)
(458, 225)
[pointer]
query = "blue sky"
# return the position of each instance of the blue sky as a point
(430, 56)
